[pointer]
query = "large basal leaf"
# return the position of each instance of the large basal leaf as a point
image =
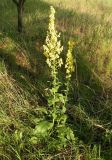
(42, 128)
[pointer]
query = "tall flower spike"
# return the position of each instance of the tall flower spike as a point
(69, 61)
(52, 47)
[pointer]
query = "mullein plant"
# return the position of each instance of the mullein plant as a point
(56, 100)
(52, 51)
(54, 126)
(70, 68)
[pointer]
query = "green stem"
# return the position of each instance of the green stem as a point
(54, 83)
(66, 92)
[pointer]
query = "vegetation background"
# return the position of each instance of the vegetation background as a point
(24, 77)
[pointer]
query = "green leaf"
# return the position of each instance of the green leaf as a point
(34, 140)
(63, 118)
(42, 128)
(18, 135)
(70, 135)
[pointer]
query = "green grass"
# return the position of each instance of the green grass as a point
(24, 75)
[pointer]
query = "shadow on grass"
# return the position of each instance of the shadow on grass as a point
(23, 76)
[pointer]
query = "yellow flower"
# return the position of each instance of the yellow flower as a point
(69, 61)
(52, 47)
